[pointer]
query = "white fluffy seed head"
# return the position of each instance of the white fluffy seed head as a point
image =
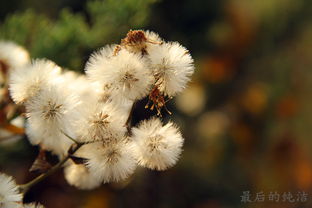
(153, 37)
(109, 163)
(97, 62)
(156, 146)
(100, 122)
(33, 205)
(78, 175)
(9, 192)
(12, 55)
(50, 114)
(79, 85)
(124, 75)
(56, 141)
(172, 67)
(28, 81)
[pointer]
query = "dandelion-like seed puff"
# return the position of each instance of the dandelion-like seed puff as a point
(125, 74)
(101, 122)
(109, 163)
(49, 115)
(33, 205)
(157, 146)
(12, 56)
(28, 81)
(9, 193)
(80, 176)
(172, 67)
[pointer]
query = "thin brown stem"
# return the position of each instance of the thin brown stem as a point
(3, 139)
(69, 137)
(25, 187)
(128, 122)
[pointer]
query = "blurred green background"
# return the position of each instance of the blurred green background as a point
(246, 115)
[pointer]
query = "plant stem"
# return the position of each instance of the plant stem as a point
(2, 139)
(128, 122)
(25, 187)
(69, 137)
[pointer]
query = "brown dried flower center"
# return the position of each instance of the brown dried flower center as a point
(51, 110)
(101, 119)
(156, 142)
(133, 37)
(128, 79)
(113, 156)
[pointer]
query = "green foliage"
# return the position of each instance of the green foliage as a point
(70, 38)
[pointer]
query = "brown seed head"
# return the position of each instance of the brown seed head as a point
(134, 37)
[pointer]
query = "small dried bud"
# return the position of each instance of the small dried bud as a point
(138, 41)
(134, 37)
(158, 101)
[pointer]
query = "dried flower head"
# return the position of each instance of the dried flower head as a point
(138, 41)
(172, 67)
(9, 193)
(12, 56)
(109, 163)
(28, 81)
(97, 62)
(79, 176)
(156, 146)
(125, 75)
(100, 122)
(33, 205)
(158, 101)
(50, 114)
